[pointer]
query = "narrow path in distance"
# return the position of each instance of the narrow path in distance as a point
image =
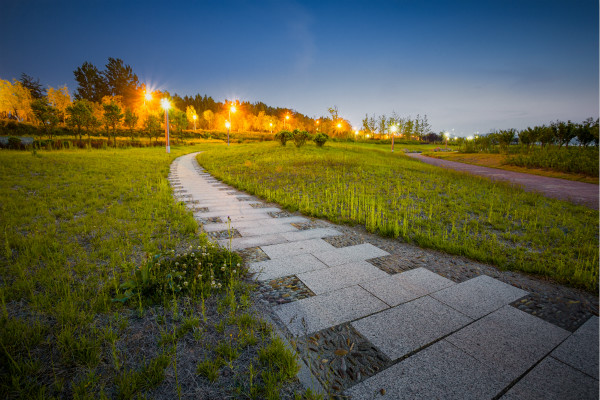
(573, 191)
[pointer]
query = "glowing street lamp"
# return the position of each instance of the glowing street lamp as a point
(287, 117)
(166, 105)
(227, 125)
(195, 117)
(232, 109)
(148, 96)
(393, 128)
(271, 127)
(446, 136)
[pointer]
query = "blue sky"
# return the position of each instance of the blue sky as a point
(469, 65)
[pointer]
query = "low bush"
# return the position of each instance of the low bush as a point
(283, 136)
(300, 137)
(320, 139)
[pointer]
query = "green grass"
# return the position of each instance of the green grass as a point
(566, 159)
(432, 207)
(81, 290)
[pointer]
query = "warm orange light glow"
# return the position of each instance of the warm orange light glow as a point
(227, 124)
(339, 125)
(164, 103)
(287, 117)
(394, 128)
(318, 122)
(148, 96)
(233, 109)
(194, 117)
(270, 124)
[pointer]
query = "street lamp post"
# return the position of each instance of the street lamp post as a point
(165, 105)
(271, 127)
(393, 128)
(287, 117)
(195, 117)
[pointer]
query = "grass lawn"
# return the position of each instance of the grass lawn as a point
(432, 207)
(498, 161)
(107, 289)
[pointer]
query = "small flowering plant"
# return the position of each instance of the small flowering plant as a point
(198, 271)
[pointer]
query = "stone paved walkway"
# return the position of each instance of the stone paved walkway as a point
(576, 192)
(434, 338)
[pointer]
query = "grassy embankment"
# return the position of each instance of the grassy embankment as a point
(432, 207)
(75, 225)
(538, 164)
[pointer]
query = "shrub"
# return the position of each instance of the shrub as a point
(300, 137)
(283, 137)
(320, 139)
(14, 143)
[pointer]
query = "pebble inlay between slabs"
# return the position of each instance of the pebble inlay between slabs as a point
(340, 357)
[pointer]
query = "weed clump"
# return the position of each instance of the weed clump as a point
(167, 276)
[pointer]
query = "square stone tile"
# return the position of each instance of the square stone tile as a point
(265, 230)
(441, 371)
(301, 247)
(345, 255)
(553, 380)
(335, 278)
(410, 326)
(248, 217)
(251, 241)
(310, 315)
(406, 286)
(509, 340)
(479, 296)
(310, 234)
(580, 350)
(284, 220)
(271, 269)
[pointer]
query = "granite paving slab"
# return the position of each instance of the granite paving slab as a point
(301, 247)
(580, 350)
(441, 371)
(238, 213)
(341, 276)
(310, 234)
(410, 326)
(251, 241)
(345, 255)
(479, 296)
(280, 267)
(509, 340)
(250, 217)
(406, 286)
(265, 230)
(310, 315)
(254, 223)
(554, 380)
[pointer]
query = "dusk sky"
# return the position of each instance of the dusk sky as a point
(469, 65)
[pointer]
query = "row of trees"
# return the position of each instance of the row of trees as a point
(557, 133)
(114, 98)
(406, 127)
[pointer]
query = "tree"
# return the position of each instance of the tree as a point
(34, 86)
(209, 117)
(59, 99)
(505, 137)
(190, 113)
(152, 126)
(92, 85)
(112, 118)
(564, 132)
(335, 113)
(130, 121)
(121, 81)
(179, 119)
(545, 135)
(45, 114)
(80, 116)
(15, 100)
(528, 137)
(382, 124)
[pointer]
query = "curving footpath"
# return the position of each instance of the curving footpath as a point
(576, 192)
(438, 338)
